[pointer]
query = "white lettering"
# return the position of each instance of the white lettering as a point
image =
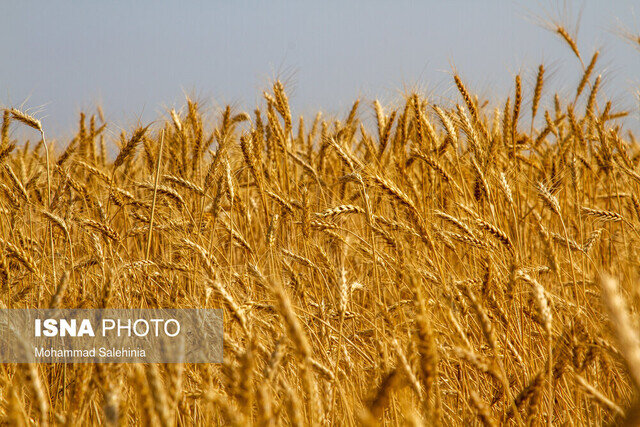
(177, 327)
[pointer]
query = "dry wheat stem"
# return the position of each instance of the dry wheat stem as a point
(155, 193)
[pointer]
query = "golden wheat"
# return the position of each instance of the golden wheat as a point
(439, 271)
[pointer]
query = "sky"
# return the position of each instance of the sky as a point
(138, 59)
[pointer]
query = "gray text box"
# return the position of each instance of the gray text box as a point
(111, 335)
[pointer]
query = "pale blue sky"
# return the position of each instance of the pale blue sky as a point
(138, 58)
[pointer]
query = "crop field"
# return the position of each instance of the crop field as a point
(469, 263)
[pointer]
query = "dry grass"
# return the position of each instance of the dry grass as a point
(443, 268)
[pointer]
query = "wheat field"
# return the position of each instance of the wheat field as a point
(412, 264)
